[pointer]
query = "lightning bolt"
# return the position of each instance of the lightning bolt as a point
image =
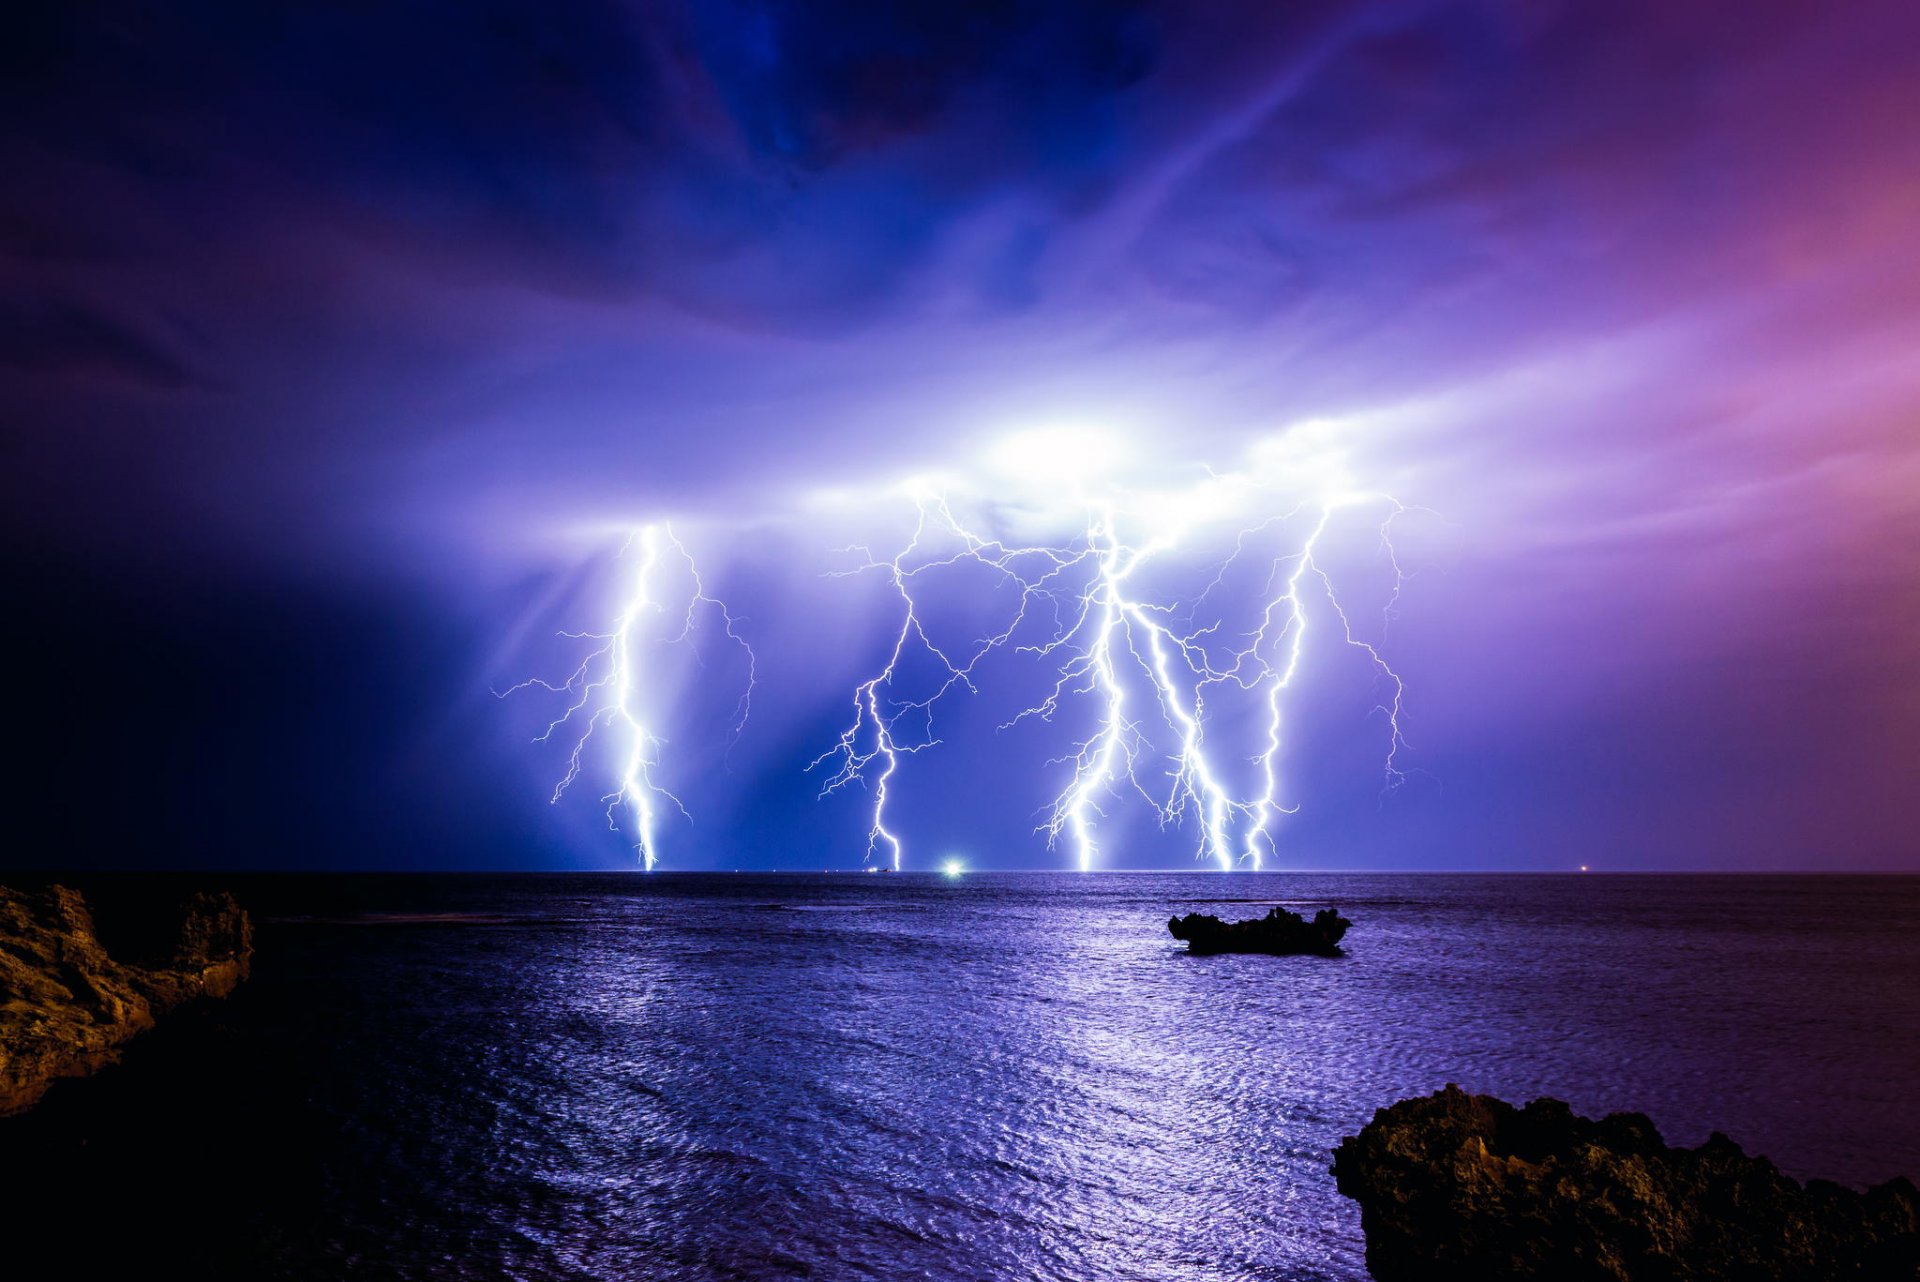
(611, 688)
(1274, 659)
(1148, 612)
(886, 727)
(1144, 664)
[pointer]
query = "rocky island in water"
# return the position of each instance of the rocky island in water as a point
(1280, 933)
(1459, 1186)
(66, 1007)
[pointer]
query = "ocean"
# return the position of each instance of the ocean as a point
(1007, 1076)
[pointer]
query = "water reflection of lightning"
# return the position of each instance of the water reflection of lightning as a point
(1145, 663)
(611, 687)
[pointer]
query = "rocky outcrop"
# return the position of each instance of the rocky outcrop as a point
(1456, 1186)
(1280, 933)
(66, 1007)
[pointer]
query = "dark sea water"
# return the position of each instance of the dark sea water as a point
(900, 1077)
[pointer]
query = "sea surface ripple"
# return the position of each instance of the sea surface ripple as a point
(902, 1076)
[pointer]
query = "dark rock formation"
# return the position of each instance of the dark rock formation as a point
(1280, 933)
(1457, 1186)
(66, 1007)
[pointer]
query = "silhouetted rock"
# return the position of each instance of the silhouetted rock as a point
(66, 1007)
(1280, 933)
(1457, 1186)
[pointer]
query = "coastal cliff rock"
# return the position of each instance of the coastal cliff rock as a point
(66, 1007)
(1467, 1186)
(1279, 933)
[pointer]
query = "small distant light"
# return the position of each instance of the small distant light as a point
(1583, 867)
(953, 868)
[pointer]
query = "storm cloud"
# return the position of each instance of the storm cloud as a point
(370, 312)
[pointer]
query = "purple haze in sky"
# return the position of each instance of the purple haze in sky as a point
(339, 348)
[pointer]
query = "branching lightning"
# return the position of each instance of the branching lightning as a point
(612, 687)
(1143, 662)
(1162, 631)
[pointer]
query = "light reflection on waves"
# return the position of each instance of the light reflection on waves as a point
(1021, 1077)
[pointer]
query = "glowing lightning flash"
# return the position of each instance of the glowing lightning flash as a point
(1145, 667)
(611, 686)
(875, 733)
(1109, 638)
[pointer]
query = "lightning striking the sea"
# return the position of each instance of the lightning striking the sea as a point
(613, 687)
(1124, 644)
(1160, 632)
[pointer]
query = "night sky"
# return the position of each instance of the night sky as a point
(339, 344)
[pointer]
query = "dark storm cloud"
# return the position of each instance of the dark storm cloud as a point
(594, 148)
(804, 166)
(65, 338)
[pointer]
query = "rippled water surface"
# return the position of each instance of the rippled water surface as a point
(1002, 1077)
